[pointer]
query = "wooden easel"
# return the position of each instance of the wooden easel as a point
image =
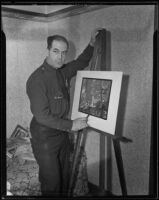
(100, 61)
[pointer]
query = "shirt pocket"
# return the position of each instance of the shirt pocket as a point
(58, 104)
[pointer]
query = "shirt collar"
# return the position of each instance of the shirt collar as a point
(48, 66)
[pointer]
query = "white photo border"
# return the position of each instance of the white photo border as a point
(105, 125)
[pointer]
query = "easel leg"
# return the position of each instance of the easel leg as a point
(102, 163)
(120, 167)
(74, 162)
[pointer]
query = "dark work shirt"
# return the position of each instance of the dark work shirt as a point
(48, 102)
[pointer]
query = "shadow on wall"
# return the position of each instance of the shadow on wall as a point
(122, 106)
(108, 50)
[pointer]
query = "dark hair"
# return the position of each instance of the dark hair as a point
(50, 39)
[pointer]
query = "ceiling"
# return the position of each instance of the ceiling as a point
(44, 9)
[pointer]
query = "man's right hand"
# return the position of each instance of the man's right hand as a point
(79, 123)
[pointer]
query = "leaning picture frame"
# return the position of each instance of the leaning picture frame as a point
(96, 96)
(19, 131)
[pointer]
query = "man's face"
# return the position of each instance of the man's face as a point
(57, 53)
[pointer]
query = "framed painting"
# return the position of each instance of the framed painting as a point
(97, 96)
(19, 131)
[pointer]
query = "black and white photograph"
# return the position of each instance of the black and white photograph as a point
(79, 89)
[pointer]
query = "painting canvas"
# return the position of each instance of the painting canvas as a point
(94, 97)
(97, 96)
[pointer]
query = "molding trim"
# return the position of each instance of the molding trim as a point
(66, 12)
(21, 14)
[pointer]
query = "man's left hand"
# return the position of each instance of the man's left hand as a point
(93, 36)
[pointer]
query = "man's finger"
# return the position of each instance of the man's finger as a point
(82, 118)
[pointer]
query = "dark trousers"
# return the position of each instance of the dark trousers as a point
(51, 149)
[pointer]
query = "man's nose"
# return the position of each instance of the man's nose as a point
(60, 55)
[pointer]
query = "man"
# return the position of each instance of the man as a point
(47, 89)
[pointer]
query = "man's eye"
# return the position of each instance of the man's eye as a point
(55, 51)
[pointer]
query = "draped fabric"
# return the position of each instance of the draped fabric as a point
(99, 55)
